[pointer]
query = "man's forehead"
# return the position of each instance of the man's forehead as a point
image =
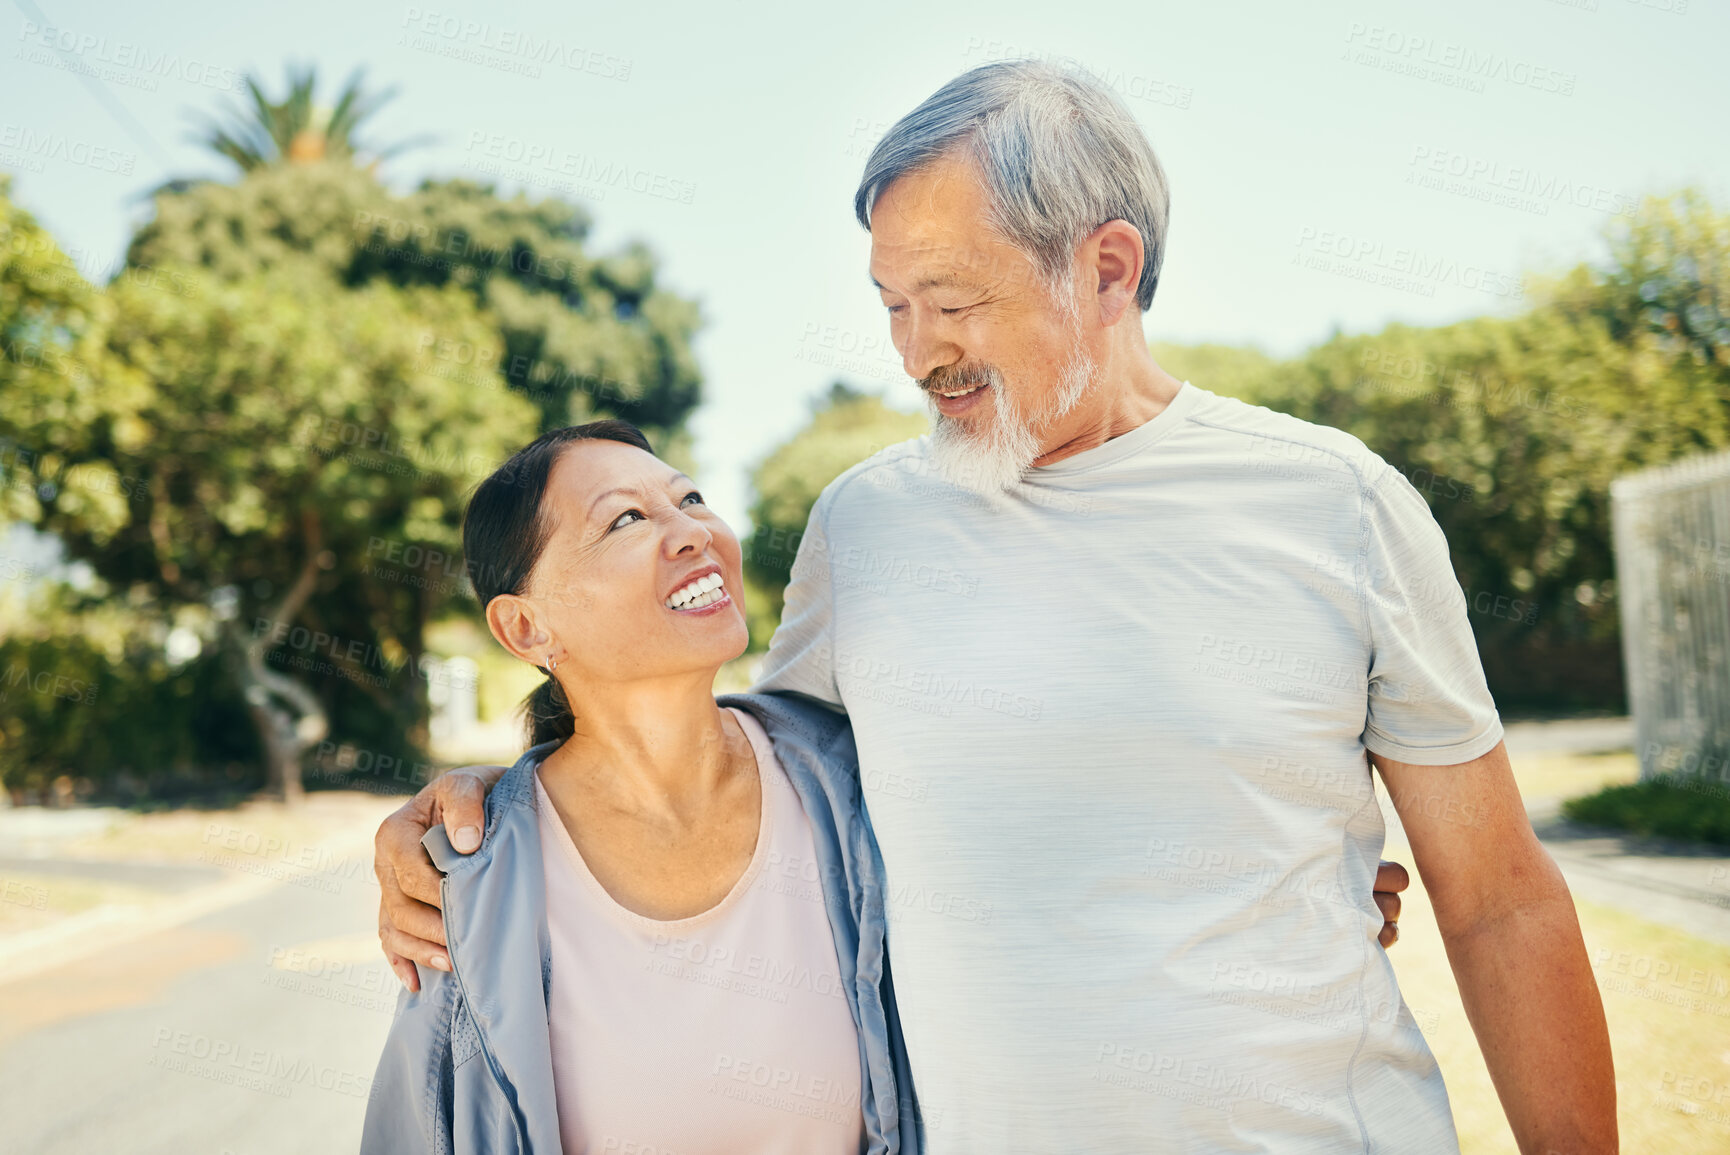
(917, 267)
(943, 279)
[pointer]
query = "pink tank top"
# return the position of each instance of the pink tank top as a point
(720, 1033)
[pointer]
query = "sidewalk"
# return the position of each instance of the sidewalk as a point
(1679, 884)
(82, 880)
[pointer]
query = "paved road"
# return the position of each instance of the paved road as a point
(252, 1029)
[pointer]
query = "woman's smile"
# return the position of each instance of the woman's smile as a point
(704, 592)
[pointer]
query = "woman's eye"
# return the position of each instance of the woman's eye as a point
(620, 520)
(693, 495)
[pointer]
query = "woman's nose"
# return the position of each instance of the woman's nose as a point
(687, 534)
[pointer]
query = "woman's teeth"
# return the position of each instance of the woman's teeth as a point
(705, 591)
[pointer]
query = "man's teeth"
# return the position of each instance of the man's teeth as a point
(705, 591)
(963, 392)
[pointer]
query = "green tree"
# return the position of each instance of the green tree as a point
(297, 129)
(581, 335)
(846, 427)
(252, 443)
(287, 393)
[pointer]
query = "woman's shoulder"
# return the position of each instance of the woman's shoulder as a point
(512, 795)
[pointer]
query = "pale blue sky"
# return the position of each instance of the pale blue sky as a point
(1294, 135)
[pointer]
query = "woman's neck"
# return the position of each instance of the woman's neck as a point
(658, 746)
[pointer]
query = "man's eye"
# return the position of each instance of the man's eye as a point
(894, 308)
(693, 494)
(620, 520)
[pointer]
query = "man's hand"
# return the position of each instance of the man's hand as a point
(1391, 878)
(409, 925)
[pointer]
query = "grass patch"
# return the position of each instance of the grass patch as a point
(1671, 806)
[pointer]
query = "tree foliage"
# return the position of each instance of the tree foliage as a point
(581, 335)
(846, 427)
(297, 129)
(265, 428)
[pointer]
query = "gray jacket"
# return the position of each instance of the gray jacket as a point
(467, 1067)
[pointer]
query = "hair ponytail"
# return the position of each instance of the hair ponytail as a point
(548, 714)
(504, 534)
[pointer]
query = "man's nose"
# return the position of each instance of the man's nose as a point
(925, 347)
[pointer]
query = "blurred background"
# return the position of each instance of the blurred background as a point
(279, 287)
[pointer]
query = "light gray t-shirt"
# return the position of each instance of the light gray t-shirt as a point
(1112, 738)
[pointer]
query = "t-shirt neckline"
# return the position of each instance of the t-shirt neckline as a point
(1124, 444)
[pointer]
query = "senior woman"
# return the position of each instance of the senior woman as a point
(671, 937)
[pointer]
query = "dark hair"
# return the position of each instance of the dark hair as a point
(505, 530)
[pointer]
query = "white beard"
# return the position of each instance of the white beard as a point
(992, 462)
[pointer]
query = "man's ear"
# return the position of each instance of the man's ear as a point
(1114, 254)
(517, 625)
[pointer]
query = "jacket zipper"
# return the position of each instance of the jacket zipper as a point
(463, 990)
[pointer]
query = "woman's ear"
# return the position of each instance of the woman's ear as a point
(517, 625)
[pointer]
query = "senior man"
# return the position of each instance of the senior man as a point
(1119, 759)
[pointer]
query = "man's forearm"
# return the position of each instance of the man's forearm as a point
(1529, 992)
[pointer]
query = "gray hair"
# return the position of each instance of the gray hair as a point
(1058, 155)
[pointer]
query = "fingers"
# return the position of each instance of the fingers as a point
(1391, 878)
(416, 918)
(460, 801)
(400, 861)
(404, 970)
(400, 948)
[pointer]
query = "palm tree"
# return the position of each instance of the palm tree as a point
(296, 130)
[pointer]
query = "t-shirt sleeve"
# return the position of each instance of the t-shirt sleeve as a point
(1428, 702)
(801, 657)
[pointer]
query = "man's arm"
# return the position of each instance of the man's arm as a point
(409, 925)
(1513, 939)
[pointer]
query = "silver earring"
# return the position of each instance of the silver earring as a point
(552, 664)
